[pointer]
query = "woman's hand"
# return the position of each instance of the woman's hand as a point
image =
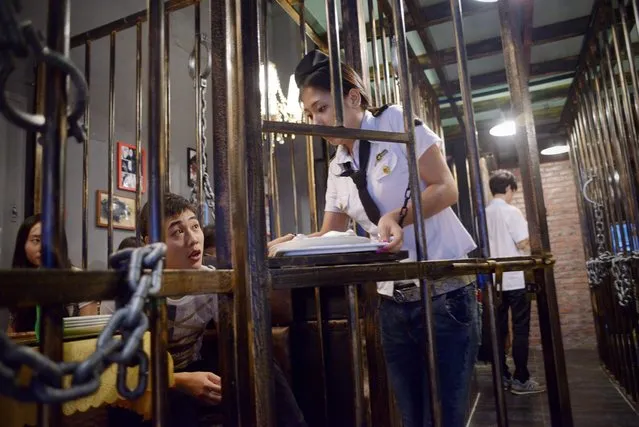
(390, 231)
(274, 242)
(204, 386)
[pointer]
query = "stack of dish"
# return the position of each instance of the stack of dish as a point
(84, 325)
(330, 243)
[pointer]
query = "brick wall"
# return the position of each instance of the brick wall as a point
(566, 244)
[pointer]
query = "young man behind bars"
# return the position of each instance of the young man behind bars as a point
(508, 237)
(196, 385)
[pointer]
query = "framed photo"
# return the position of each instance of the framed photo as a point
(127, 167)
(191, 166)
(123, 211)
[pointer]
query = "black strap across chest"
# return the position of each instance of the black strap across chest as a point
(361, 182)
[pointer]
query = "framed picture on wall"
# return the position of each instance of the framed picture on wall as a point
(123, 211)
(127, 167)
(191, 166)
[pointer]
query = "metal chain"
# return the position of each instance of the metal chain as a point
(404, 210)
(46, 384)
(209, 195)
(18, 40)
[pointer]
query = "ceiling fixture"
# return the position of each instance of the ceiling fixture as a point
(487, 1)
(505, 128)
(555, 150)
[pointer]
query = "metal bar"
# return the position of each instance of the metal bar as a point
(53, 167)
(111, 144)
(260, 345)
(332, 29)
(138, 129)
(625, 31)
(85, 162)
(354, 334)
(385, 70)
(332, 131)
(39, 109)
(528, 153)
(312, 201)
(199, 155)
(294, 186)
(156, 170)
(371, 18)
(167, 111)
(219, 14)
(479, 208)
(420, 231)
(125, 23)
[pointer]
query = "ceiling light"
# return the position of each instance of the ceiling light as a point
(505, 128)
(487, 1)
(555, 150)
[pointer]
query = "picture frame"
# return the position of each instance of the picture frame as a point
(124, 217)
(127, 167)
(191, 166)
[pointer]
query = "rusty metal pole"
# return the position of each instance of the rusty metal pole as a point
(479, 207)
(53, 168)
(528, 153)
(249, 19)
(156, 178)
(111, 144)
(139, 159)
(419, 228)
(85, 161)
(221, 20)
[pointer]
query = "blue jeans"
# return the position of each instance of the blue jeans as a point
(457, 341)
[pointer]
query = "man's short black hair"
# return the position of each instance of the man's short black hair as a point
(209, 236)
(173, 205)
(129, 242)
(501, 180)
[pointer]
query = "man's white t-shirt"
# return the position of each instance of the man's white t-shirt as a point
(506, 227)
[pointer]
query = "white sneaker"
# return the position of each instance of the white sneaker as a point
(529, 387)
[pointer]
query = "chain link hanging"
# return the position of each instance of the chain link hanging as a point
(46, 385)
(605, 264)
(200, 83)
(18, 40)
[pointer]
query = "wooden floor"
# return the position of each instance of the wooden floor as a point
(595, 400)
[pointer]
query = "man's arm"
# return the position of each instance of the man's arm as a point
(524, 246)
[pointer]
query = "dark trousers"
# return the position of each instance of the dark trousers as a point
(519, 304)
(187, 411)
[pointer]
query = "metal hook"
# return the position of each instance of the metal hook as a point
(203, 40)
(584, 191)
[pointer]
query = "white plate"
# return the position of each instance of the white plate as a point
(332, 249)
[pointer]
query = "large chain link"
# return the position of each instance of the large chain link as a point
(143, 267)
(18, 40)
(209, 195)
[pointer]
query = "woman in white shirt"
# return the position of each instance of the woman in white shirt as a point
(374, 200)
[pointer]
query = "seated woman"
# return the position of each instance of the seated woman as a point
(27, 254)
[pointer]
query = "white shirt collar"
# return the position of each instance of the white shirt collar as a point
(498, 201)
(341, 155)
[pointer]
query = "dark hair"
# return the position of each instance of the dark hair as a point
(128, 242)
(321, 79)
(501, 180)
(173, 205)
(209, 236)
(24, 319)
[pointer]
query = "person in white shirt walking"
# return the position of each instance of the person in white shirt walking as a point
(508, 237)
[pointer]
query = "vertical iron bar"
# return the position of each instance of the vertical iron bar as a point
(167, 101)
(258, 281)
(139, 176)
(420, 232)
(53, 167)
(388, 79)
(222, 32)
(354, 334)
(111, 142)
(291, 144)
(156, 175)
(85, 162)
(371, 20)
(199, 155)
(631, 57)
(312, 200)
(332, 29)
(479, 207)
(528, 153)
